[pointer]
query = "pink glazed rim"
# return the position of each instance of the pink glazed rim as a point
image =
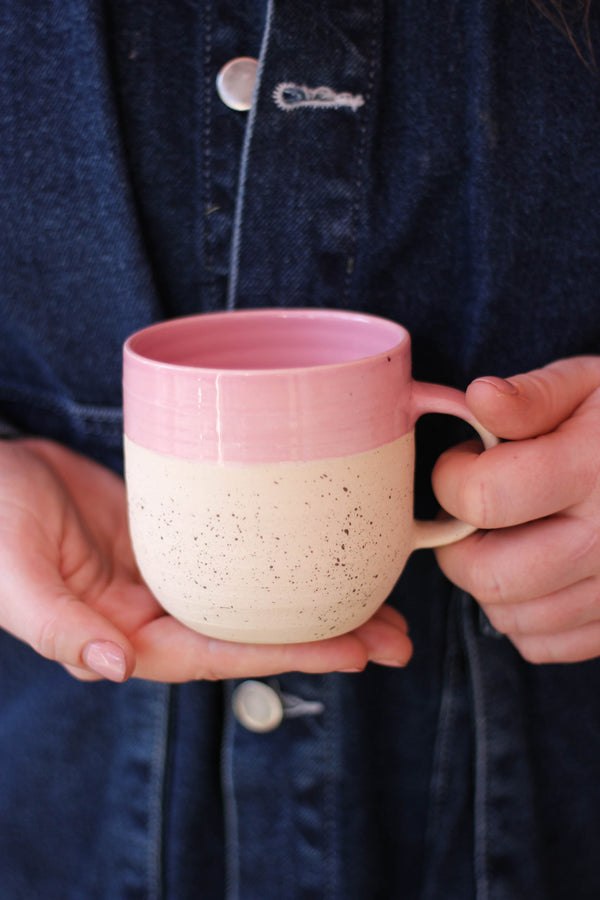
(267, 385)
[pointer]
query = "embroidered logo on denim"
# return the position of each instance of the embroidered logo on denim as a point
(289, 96)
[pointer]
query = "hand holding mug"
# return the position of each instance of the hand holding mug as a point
(535, 568)
(72, 591)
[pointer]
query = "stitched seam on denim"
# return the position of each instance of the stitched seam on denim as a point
(443, 752)
(480, 836)
(478, 129)
(207, 106)
(332, 729)
(156, 789)
(239, 207)
(230, 812)
(96, 419)
(364, 129)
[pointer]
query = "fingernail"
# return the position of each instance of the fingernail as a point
(105, 659)
(350, 671)
(501, 384)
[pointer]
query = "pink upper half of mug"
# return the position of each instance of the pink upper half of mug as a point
(269, 385)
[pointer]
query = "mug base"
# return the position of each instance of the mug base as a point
(296, 633)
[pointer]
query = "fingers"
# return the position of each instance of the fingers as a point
(523, 480)
(522, 563)
(564, 610)
(577, 645)
(559, 626)
(37, 528)
(517, 482)
(37, 608)
(554, 414)
(167, 651)
(83, 674)
(538, 584)
(536, 402)
(536, 568)
(385, 638)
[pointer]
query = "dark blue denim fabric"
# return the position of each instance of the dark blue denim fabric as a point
(461, 198)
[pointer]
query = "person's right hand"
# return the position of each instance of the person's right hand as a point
(71, 589)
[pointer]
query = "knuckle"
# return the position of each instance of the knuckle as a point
(487, 585)
(542, 384)
(537, 651)
(481, 503)
(207, 674)
(46, 643)
(503, 618)
(588, 474)
(520, 619)
(584, 546)
(52, 630)
(208, 668)
(532, 654)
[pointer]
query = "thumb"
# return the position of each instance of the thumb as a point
(38, 608)
(536, 402)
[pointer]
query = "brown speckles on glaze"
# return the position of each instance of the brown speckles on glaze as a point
(272, 553)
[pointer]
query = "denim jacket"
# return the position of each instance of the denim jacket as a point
(436, 163)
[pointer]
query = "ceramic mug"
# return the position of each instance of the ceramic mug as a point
(269, 463)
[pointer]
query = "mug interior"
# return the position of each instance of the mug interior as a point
(270, 339)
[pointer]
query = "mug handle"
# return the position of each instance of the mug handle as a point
(437, 398)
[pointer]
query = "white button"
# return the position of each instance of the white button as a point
(257, 706)
(235, 82)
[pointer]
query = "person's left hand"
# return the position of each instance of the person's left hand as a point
(70, 587)
(535, 565)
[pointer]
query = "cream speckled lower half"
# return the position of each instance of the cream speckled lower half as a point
(272, 553)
